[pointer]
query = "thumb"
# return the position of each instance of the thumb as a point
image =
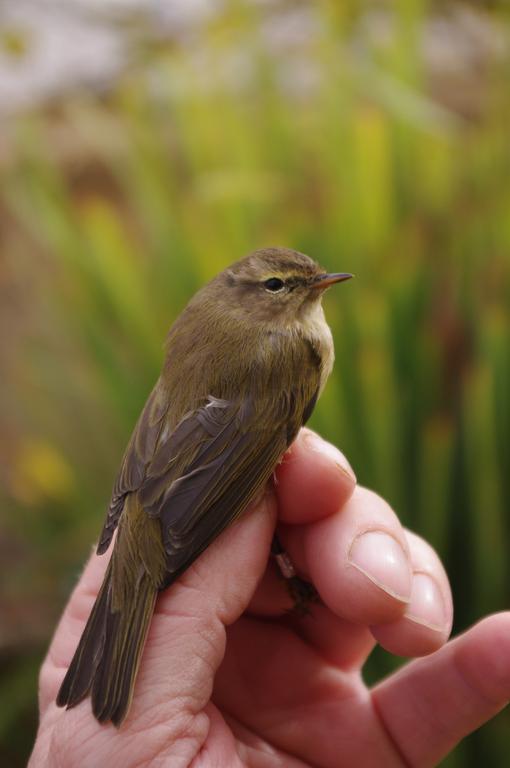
(186, 640)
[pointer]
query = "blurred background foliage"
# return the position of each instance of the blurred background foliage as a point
(372, 136)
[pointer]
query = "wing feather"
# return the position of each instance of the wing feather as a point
(234, 460)
(192, 517)
(200, 476)
(140, 451)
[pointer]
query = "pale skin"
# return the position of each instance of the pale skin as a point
(230, 679)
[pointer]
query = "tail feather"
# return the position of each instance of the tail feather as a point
(112, 688)
(78, 680)
(106, 661)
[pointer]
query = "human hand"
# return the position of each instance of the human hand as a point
(229, 678)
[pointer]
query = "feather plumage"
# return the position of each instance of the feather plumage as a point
(242, 374)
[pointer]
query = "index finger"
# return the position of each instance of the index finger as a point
(313, 481)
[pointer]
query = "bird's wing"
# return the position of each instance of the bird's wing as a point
(213, 464)
(139, 453)
(199, 477)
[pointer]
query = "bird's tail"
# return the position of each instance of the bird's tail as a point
(106, 661)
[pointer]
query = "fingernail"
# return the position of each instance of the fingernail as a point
(427, 606)
(382, 559)
(315, 443)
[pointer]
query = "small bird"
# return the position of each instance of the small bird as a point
(245, 363)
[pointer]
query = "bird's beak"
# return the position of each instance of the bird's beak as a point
(324, 281)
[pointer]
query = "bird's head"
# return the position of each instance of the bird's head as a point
(275, 285)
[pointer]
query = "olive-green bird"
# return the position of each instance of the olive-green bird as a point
(245, 363)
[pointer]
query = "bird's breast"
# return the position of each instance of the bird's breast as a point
(316, 331)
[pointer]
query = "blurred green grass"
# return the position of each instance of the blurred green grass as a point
(115, 208)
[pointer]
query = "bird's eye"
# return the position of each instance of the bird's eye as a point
(274, 284)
